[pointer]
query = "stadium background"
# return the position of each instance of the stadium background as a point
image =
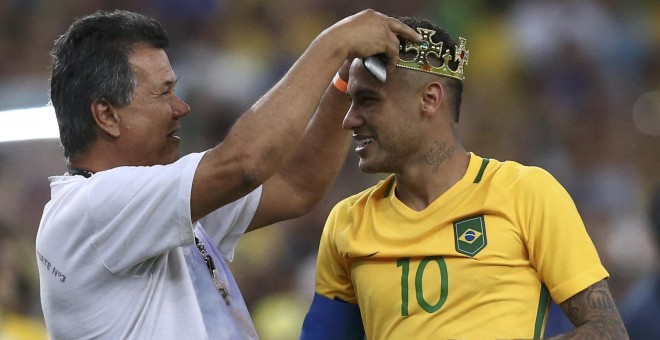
(570, 85)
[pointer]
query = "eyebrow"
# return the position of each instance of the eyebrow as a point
(170, 83)
(365, 91)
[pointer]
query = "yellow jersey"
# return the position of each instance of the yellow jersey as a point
(480, 262)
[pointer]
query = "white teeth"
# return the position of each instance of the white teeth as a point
(364, 142)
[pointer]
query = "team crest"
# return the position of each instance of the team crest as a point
(470, 235)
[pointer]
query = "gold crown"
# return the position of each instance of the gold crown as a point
(427, 47)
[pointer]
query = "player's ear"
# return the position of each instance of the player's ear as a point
(106, 117)
(432, 97)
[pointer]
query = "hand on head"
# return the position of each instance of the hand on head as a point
(369, 32)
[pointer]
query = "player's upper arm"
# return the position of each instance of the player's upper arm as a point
(332, 319)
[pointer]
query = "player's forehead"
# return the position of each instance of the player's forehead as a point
(360, 76)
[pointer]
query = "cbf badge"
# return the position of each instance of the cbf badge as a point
(470, 235)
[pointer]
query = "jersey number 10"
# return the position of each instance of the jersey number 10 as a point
(404, 263)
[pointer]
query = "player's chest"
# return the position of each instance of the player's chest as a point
(478, 237)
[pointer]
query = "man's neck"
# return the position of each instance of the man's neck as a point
(420, 187)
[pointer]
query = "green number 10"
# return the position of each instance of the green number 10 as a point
(404, 262)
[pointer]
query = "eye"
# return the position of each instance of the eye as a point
(365, 100)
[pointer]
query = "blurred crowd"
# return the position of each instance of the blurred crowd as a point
(569, 85)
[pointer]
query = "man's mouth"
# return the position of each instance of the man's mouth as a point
(361, 143)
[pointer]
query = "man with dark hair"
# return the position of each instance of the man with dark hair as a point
(133, 242)
(451, 245)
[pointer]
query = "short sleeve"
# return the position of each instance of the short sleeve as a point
(333, 278)
(557, 240)
(227, 225)
(140, 212)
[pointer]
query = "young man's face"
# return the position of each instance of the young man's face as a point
(384, 119)
(148, 125)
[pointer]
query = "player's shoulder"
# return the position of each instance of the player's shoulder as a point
(371, 194)
(513, 172)
(513, 177)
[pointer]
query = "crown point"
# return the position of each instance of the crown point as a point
(427, 49)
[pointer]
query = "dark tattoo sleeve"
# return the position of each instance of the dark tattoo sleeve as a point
(594, 314)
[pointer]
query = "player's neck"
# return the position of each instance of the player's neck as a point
(421, 186)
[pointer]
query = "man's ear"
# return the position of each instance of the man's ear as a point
(106, 117)
(433, 97)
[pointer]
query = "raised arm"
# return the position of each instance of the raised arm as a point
(267, 135)
(302, 182)
(594, 315)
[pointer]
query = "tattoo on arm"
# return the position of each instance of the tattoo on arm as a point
(594, 314)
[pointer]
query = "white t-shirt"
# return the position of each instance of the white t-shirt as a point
(117, 257)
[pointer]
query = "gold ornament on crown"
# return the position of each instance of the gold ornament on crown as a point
(427, 47)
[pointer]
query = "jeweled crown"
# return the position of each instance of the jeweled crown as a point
(426, 48)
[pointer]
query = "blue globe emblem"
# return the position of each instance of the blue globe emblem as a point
(470, 235)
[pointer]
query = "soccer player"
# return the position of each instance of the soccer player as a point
(451, 245)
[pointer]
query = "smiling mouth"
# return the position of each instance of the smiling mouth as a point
(364, 142)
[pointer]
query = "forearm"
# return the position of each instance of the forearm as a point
(594, 315)
(266, 135)
(595, 329)
(272, 128)
(321, 154)
(306, 177)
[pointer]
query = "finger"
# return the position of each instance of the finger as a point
(392, 54)
(403, 30)
(392, 51)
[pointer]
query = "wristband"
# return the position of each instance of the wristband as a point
(340, 84)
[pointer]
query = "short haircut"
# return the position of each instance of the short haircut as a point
(454, 86)
(90, 62)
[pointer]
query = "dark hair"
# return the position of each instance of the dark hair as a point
(90, 62)
(454, 86)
